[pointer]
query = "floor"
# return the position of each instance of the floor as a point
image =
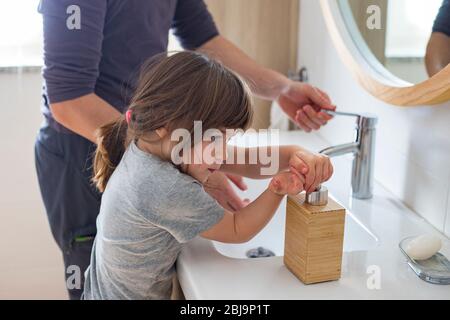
(30, 262)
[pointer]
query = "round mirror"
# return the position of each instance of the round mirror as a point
(410, 38)
(404, 68)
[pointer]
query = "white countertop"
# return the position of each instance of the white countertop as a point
(204, 273)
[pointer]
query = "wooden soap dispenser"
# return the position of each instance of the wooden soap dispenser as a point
(314, 236)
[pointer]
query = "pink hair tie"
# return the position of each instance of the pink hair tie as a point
(128, 116)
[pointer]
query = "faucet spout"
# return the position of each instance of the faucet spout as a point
(363, 150)
(341, 149)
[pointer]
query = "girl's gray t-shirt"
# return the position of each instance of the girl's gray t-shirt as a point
(148, 210)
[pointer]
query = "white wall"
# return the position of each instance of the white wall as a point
(413, 144)
(30, 262)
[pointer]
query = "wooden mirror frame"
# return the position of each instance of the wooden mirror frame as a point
(372, 75)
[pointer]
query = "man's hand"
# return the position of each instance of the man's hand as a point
(316, 168)
(303, 103)
(218, 186)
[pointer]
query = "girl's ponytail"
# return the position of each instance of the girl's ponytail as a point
(112, 142)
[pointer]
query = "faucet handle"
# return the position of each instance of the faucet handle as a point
(366, 120)
(341, 113)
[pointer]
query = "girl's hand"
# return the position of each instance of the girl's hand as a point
(287, 183)
(316, 168)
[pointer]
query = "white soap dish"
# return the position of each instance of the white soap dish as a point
(436, 269)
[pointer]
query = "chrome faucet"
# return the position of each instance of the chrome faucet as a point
(363, 150)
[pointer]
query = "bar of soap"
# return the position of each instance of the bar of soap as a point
(423, 247)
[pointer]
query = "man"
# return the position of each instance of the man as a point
(93, 51)
(438, 49)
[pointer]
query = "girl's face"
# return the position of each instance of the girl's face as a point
(205, 157)
(208, 157)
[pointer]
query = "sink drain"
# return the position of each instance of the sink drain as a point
(259, 252)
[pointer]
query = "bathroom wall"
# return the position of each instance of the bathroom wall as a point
(266, 30)
(30, 262)
(413, 144)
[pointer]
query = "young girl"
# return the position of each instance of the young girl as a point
(150, 206)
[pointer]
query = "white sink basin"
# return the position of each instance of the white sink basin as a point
(356, 236)
(373, 230)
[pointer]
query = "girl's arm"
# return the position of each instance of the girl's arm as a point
(316, 168)
(251, 169)
(244, 224)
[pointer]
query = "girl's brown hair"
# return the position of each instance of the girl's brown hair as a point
(173, 92)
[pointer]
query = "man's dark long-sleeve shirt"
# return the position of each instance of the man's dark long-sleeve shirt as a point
(442, 22)
(104, 52)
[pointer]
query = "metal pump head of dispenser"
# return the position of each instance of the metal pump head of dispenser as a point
(319, 197)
